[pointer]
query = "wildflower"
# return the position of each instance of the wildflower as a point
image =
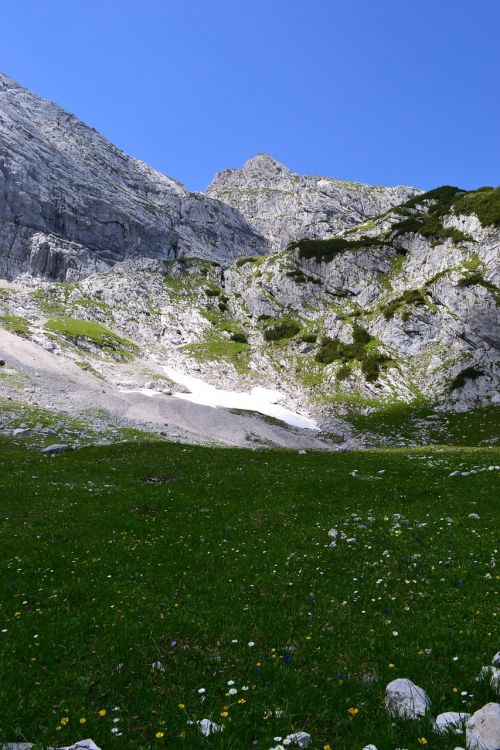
(391, 665)
(241, 700)
(327, 747)
(159, 735)
(201, 691)
(181, 706)
(251, 644)
(83, 720)
(102, 712)
(64, 721)
(422, 741)
(224, 714)
(232, 691)
(353, 711)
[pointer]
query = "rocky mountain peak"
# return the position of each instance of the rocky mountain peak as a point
(71, 202)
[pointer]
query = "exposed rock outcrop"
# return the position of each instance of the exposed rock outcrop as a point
(93, 204)
(284, 206)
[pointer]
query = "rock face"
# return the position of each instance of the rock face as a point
(284, 206)
(71, 203)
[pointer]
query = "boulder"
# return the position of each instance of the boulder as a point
(405, 699)
(483, 728)
(56, 448)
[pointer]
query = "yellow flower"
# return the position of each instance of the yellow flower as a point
(58, 728)
(159, 735)
(64, 720)
(327, 747)
(242, 700)
(102, 712)
(422, 741)
(391, 665)
(83, 720)
(224, 713)
(181, 706)
(353, 711)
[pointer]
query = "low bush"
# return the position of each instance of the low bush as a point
(284, 329)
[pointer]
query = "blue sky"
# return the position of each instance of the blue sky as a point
(380, 91)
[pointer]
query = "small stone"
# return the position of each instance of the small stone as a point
(56, 448)
(483, 728)
(450, 721)
(369, 747)
(455, 474)
(404, 698)
(207, 727)
(473, 516)
(302, 739)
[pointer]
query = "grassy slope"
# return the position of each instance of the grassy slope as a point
(105, 570)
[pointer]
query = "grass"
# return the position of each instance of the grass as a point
(235, 352)
(410, 424)
(15, 324)
(88, 332)
(216, 563)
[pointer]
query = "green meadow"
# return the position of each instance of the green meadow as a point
(145, 587)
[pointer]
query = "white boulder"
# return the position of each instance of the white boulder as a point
(404, 698)
(483, 728)
(207, 727)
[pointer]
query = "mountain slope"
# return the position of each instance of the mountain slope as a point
(71, 203)
(284, 206)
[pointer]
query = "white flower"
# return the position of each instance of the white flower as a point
(230, 682)
(201, 691)
(251, 643)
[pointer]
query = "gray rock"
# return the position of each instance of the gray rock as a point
(283, 206)
(72, 204)
(405, 699)
(483, 728)
(207, 727)
(450, 721)
(301, 739)
(56, 448)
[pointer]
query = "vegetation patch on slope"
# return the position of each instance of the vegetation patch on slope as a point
(362, 349)
(327, 250)
(86, 331)
(15, 324)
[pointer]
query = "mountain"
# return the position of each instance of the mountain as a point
(71, 203)
(368, 315)
(283, 206)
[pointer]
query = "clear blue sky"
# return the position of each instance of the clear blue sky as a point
(380, 91)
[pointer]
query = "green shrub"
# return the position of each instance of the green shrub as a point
(309, 338)
(326, 250)
(409, 297)
(470, 373)
(247, 259)
(239, 337)
(284, 329)
(485, 203)
(477, 279)
(430, 224)
(212, 291)
(343, 372)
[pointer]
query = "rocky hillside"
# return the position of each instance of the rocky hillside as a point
(283, 206)
(71, 203)
(396, 311)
